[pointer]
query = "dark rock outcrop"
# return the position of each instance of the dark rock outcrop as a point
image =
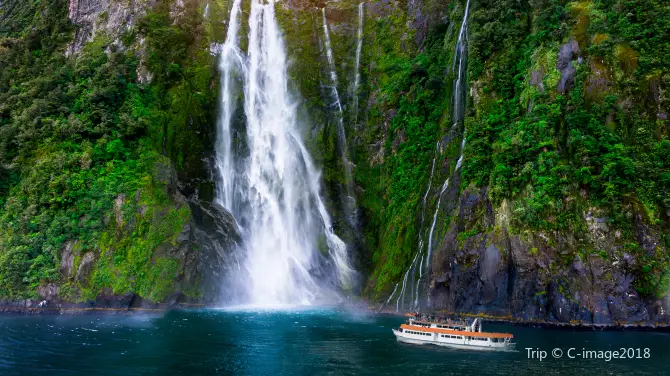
(67, 258)
(566, 54)
(216, 236)
(85, 267)
(536, 275)
(107, 16)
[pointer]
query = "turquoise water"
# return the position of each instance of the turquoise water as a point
(291, 342)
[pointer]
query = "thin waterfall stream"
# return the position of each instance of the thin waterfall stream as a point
(460, 87)
(459, 66)
(349, 199)
(411, 271)
(357, 67)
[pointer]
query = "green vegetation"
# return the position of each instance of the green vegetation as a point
(412, 95)
(77, 133)
(121, 121)
(548, 156)
(604, 143)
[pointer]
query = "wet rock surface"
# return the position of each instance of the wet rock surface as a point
(67, 259)
(500, 273)
(566, 55)
(202, 249)
(103, 16)
(85, 267)
(216, 235)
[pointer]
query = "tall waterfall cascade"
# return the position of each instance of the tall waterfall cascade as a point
(357, 67)
(289, 253)
(349, 199)
(460, 58)
(419, 262)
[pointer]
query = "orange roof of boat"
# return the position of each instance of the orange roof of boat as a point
(456, 332)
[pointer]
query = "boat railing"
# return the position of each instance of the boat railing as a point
(423, 320)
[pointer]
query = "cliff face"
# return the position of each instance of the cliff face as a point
(522, 171)
(106, 16)
(535, 275)
(105, 187)
(543, 219)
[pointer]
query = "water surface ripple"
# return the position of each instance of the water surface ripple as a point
(288, 342)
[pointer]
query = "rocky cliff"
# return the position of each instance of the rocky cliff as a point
(115, 178)
(509, 157)
(543, 220)
(111, 17)
(535, 275)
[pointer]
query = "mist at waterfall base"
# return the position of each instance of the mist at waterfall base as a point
(298, 342)
(289, 253)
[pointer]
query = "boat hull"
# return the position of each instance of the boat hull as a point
(461, 346)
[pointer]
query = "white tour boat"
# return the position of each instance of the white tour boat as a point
(457, 334)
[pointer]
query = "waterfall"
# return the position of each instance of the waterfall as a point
(389, 299)
(357, 73)
(460, 158)
(411, 271)
(429, 250)
(231, 61)
(460, 56)
(273, 191)
(404, 283)
(349, 200)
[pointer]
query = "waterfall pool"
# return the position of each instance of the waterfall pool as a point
(292, 342)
